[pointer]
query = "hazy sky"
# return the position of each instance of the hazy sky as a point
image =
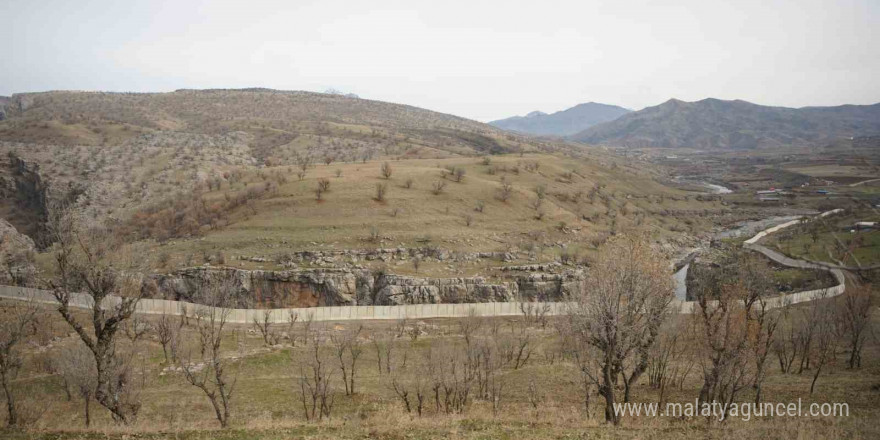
(479, 59)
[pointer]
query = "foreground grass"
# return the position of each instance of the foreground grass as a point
(266, 402)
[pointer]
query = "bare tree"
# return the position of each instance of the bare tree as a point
(670, 361)
(469, 326)
(381, 190)
(324, 184)
(212, 374)
(505, 191)
(17, 323)
(348, 347)
(459, 174)
(410, 386)
(437, 187)
(616, 315)
(534, 312)
(316, 391)
(292, 318)
(304, 161)
(855, 320)
(384, 345)
(82, 261)
(735, 325)
(452, 378)
(519, 347)
(77, 368)
(168, 332)
(263, 324)
(386, 170)
(785, 344)
(825, 345)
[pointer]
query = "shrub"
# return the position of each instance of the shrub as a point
(381, 190)
(437, 187)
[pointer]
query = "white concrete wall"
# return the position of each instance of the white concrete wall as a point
(416, 311)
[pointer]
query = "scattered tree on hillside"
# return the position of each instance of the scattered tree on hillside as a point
(347, 347)
(459, 174)
(386, 170)
(211, 373)
(855, 321)
(17, 323)
(83, 263)
(381, 190)
(168, 333)
(76, 365)
(437, 187)
(315, 384)
(616, 316)
(735, 325)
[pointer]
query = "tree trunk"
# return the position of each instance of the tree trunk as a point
(12, 419)
(88, 401)
(608, 393)
(815, 378)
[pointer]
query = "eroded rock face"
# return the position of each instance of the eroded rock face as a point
(394, 289)
(262, 289)
(336, 287)
(16, 256)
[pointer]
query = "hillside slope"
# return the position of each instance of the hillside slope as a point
(713, 123)
(273, 119)
(200, 173)
(562, 123)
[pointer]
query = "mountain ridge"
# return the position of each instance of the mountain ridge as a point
(713, 123)
(562, 123)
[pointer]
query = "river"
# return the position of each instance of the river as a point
(745, 228)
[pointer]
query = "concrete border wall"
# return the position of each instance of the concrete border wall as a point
(425, 311)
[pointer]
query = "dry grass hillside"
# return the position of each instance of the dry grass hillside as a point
(540, 398)
(196, 174)
(335, 125)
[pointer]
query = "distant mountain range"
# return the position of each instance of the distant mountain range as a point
(562, 123)
(713, 123)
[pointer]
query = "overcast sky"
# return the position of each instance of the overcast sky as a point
(479, 59)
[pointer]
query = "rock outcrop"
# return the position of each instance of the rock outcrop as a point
(342, 286)
(16, 256)
(27, 194)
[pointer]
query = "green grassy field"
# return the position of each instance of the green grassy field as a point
(833, 240)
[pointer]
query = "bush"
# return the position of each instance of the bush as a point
(381, 190)
(437, 187)
(386, 170)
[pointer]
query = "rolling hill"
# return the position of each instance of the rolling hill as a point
(562, 123)
(718, 124)
(193, 172)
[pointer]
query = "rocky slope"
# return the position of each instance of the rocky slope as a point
(16, 256)
(337, 286)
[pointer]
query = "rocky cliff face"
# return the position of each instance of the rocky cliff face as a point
(336, 287)
(16, 256)
(25, 194)
(4, 102)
